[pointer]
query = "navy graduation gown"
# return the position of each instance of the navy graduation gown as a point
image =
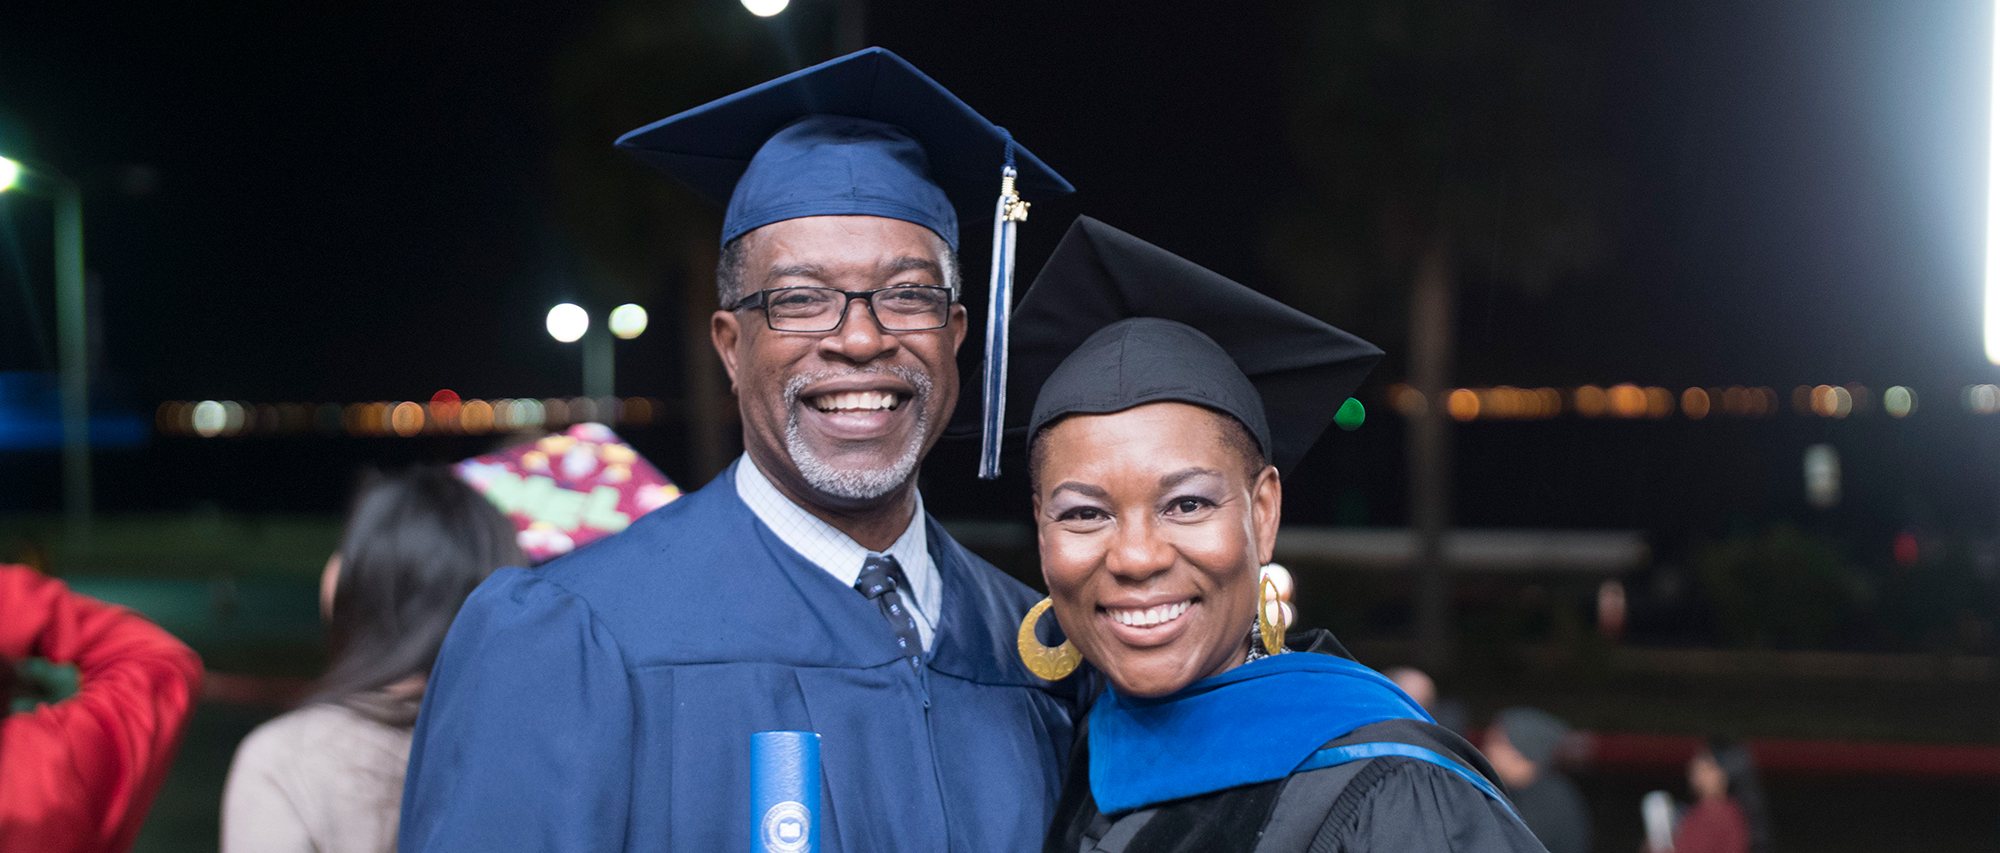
(606, 701)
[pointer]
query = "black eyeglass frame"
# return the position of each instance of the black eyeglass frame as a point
(761, 299)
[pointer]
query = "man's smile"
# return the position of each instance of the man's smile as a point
(857, 401)
(856, 407)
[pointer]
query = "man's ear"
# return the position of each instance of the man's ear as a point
(1267, 500)
(957, 324)
(726, 331)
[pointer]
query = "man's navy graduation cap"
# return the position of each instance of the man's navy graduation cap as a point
(865, 134)
(1114, 322)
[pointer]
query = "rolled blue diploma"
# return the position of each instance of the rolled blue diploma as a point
(784, 792)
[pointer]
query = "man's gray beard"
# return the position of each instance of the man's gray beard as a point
(864, 484)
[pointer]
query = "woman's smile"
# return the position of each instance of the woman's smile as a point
(1148, 626)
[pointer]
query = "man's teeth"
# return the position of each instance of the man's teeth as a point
(1150, 616)
(856, 400)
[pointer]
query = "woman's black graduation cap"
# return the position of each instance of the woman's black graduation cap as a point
(1113, 322)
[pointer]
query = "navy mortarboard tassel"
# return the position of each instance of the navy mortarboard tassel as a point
(1008, 212)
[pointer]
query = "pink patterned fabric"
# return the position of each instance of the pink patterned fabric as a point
(568, 490)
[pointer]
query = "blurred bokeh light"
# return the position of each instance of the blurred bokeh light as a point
(567, 322)
(628, 321)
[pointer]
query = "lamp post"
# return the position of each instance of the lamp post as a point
(1992, 313)
(72, 339)
(850, 22)
(569, 323)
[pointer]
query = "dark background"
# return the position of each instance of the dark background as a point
(356, 200)
(351, 201)
(317, 201)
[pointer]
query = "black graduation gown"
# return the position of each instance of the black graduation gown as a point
(606, 701)
(1389, 803)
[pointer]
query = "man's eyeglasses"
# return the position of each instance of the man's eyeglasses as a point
(905, 308)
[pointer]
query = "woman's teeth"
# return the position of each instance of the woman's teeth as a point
(856, 401)
(1150, 616)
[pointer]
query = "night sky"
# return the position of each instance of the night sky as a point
(356, 200)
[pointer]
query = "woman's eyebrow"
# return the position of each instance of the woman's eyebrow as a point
(1084, 489)
(1178, 477)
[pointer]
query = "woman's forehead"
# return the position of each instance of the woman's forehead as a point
(1155, 437)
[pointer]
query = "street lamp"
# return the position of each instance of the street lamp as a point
(72, 340)
(850, 21)
(1993, 202)
(569, 323)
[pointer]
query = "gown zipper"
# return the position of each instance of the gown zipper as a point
(937, 773)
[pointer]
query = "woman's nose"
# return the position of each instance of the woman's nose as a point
(1139, 552)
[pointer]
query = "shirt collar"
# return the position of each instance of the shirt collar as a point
(830, 549)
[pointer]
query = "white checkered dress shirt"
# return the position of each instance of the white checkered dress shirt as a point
(840, 556)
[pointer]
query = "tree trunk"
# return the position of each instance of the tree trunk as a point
(1431, 315)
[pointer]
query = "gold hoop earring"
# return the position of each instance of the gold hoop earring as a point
(1271, 630)
(1052, 664)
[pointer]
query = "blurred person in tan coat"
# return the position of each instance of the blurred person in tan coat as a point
(328, 776)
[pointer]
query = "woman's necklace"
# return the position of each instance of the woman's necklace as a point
(1257, 647)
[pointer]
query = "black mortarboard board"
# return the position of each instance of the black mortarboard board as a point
(864, 134)
(1114, 322)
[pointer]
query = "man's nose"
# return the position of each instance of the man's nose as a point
(859, 338)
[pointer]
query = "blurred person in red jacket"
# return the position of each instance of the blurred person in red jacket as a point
(79, 774)
(1728, 815)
